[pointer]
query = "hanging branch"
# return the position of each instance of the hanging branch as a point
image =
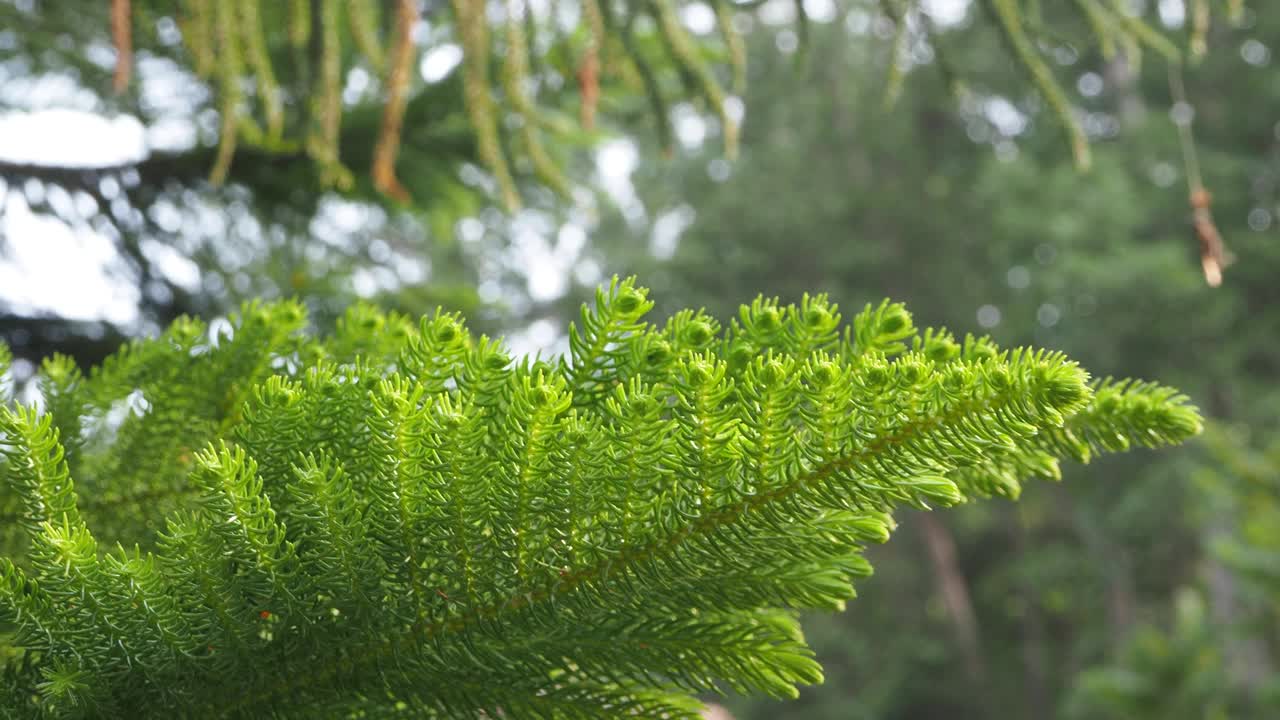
(1096, 16)
(636, 60)
(620, 46)
(1035, 12)
(685, 54)
(1213, 254)
(1235, 11)
(735, 44)
(898, 52)
(1009, 18)
(515, 77)
(327, 104)
(229, 90)
(299, 23)
(1199, 28)
(362, 16)
(122, 36)
(268, 89)
(1141, 32)
(388, 145)
(589, 71)
(473, 30)
(199, 36)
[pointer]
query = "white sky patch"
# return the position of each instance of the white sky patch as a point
(615, 161)
(45, 91)
(172, 134)
(1173, 13)
(823, 11)
(690, 127)
(178, 268)
(438, 62)
(570, 240)
(55, 268)
(946, 12)
(699, 18)
(364, 283)
(543, 337)
(1004, 116)
(735, 108)
(777, 12)
(70, 138)
(48, 266)
(546, 271)
(667, 230)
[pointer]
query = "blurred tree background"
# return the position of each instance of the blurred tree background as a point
(887, 149)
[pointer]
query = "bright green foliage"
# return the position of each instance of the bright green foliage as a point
(400, 520)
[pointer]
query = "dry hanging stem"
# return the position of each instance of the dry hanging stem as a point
(388, 146)
(589, 86)
(1213, 253)
(589, 71)
(122, 36)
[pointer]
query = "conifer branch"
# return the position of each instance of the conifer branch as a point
(403, 516)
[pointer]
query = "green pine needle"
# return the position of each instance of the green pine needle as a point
(403, 519)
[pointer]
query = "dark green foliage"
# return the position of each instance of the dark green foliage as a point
(1178, 675)
(399, 520)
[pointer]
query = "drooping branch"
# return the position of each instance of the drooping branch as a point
(122, 36)
(398, 72)
(643, 45)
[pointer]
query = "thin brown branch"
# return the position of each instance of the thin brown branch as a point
(122, 36)
(388, 145)
(1213, 253)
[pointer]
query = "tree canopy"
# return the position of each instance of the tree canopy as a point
(267, 113)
